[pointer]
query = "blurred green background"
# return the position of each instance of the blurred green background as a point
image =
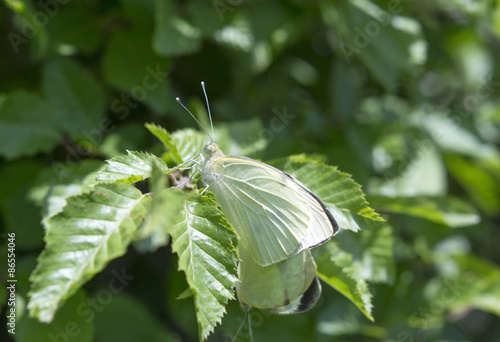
(403, 95)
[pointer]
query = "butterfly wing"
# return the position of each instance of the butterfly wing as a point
(287, 287)
(274, 216)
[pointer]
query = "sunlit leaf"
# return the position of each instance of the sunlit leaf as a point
(189, 142)
(335, 188)
(444, 210)
(162, 134)
(336, 268)
(411, 181)
(92, 229)
(166, 209)
(203, 242)
(480, 185)
(130, 168)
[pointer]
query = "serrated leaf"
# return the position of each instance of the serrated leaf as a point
(189, 142)
(336, 189)
(162, 134)
(92, 229)
(336, 268)
(27, 125)
(203, 242)
(166, 210)
(77, 98)
(130, 168)
(448, 211)
(51, 189)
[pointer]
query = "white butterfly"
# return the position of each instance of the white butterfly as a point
(277, 220)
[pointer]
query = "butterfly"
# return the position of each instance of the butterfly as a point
(277, 221)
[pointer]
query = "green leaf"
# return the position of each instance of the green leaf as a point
(51, 189)
(480, 185)
(77, 98)
(389, 45)
(203, 242)
(141, 13)
(27, 125)
(245, 137)
(121, 317)
(336, 189)
(76, 28)
(129, 64)
(126, 136)
(162, 134)
(174, 36)
(20, 216)
(189, 142)
(372, 250)
(92, 229)
(336, 268)
(68, 317)
(28, 25)
(166, 208)
(483, 277)
(411, 183)
(448, 211)
(451, 137)
(130, 168)
(473, 284)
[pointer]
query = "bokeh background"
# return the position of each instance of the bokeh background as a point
(403, 95)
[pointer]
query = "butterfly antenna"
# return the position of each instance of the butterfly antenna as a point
(208, 108)
(194, 117)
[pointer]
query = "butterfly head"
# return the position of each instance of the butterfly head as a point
(211, 150)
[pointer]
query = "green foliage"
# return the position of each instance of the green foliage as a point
(92, 229)
(133, 167)
(337, 269)
(77, 99)
(403, 99)
(202, 240)
(23, 130)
